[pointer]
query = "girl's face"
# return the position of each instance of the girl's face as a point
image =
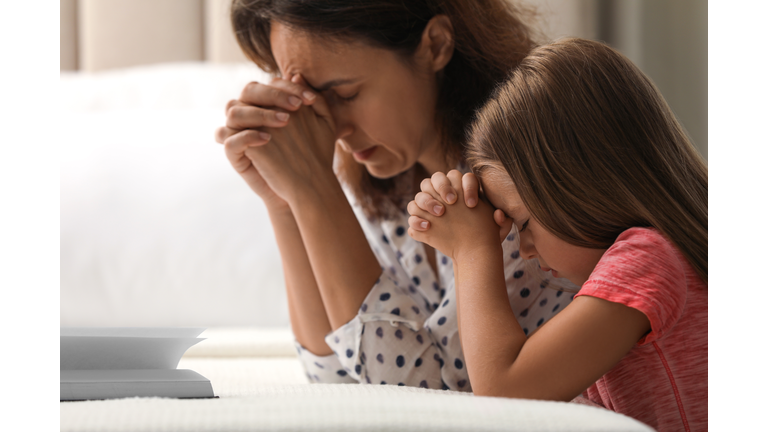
(563, 259)
(384, 110)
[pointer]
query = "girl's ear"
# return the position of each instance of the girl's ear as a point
(437, 43)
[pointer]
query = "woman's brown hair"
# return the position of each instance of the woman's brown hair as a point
(593, 149)
(491, 37)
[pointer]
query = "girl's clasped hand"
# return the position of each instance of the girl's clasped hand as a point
(470, 224)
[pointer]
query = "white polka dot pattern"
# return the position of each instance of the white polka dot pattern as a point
(406, 331)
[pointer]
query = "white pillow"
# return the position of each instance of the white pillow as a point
(156, 227)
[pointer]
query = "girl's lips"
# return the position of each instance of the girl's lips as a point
(547, 269)
(365, 154)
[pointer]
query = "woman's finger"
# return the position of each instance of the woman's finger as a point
(443, 187)
(319, 104)
(427, 203)
(471, 187)
(284, 94)
(235, 145)
(242, 116)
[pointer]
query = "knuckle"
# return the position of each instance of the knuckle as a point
(251, 87)
(426, 183)
(275, 93)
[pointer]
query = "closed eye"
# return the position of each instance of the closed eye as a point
(347, 99)
(525, 225)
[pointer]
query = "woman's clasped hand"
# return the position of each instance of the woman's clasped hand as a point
(280, 138)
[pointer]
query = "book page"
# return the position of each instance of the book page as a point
(125, 348)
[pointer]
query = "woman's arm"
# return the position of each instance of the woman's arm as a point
(309, 320)
(258, 108)
(343, 264)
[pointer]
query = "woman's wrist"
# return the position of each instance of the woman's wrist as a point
(324, 191)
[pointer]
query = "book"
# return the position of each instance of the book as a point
(119, 362)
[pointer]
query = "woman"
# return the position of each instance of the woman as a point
(393, 84)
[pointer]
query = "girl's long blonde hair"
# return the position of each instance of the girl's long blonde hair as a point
(593, 149)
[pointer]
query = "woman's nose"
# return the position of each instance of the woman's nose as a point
(343, 130)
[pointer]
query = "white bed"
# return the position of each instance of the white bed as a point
(158, 230)
(261, 386)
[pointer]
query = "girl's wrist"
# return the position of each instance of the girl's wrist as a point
(477, 253)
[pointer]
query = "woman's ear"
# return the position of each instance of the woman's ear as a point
(436, 46)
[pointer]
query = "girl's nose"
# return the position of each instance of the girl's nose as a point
(527, 249)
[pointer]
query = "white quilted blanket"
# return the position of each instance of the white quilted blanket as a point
(261, 387)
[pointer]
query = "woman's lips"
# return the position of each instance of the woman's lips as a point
(365, 154)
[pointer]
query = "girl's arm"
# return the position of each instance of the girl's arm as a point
(563, 358)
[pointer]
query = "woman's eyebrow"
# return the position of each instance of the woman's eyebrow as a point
(334, 83)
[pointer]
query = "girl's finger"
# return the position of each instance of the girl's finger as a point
(429, 204)
(284, 94)
(443, 187)
(471, 187)
(248, 116)
(418, 224)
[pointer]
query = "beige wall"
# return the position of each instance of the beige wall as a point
(68, 35)
(115, 34)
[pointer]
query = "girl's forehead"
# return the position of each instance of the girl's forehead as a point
(501, 192)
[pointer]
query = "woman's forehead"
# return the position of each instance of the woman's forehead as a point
(319, 60)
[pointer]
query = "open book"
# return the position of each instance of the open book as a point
(118, 362)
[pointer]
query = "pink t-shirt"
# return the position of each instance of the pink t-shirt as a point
(662, 381)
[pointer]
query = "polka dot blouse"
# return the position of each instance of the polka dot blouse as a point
(406, 332)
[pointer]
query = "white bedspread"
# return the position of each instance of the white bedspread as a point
(261, 386)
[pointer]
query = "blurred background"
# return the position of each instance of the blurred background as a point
(156, 227)
(667, 39)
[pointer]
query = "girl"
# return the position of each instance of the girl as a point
(580, 153)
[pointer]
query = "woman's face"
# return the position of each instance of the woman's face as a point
(384, 110)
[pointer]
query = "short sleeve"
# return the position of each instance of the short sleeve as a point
(644, 271)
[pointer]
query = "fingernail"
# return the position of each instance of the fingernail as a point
(450, 197)
(282, 116)
(471, 202)
(437, 209)
(424, 225)
(308, 95)
(293, 100)
(265, 136)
